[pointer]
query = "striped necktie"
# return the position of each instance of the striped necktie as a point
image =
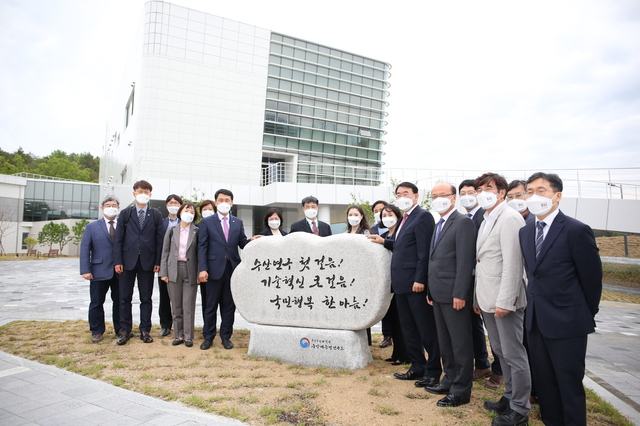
(141, 218)
(539, 237)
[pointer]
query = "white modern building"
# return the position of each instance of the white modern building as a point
(208, 103)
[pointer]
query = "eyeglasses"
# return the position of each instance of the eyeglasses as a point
(470, 192)
(516, 195)
(539, 191)
(488, 188)
(434, 197)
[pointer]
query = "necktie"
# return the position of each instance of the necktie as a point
(225, 228)
(112, 231)
(141, 218)
(314, 228)
(404, 218)
(539, 237)
(435, 240)
(469, 215)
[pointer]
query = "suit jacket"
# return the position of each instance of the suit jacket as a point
(324, 229)
(165, 225)
(451, 260)
(133, 242)
(499, 271)
(410, 259)
(478, 218)
(268, 233)
(565, 282)
(170, 248)
(96, 251)
(214, 250)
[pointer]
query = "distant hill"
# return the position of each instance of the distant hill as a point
(84, 166)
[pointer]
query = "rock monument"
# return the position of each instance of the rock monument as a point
(312, 298)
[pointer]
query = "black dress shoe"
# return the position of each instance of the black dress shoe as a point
(437, 389)
(511, 418)
(501, 407)
(165, 332)
(123, 339)
(227, 344)
(146, 337)
(206, 345)
(426, 381)
(119, 332)
(409, 375)
(188, 343)
(387, 341)
(177, 342)
(452, 401)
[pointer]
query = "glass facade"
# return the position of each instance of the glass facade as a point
(328, 107)
(50, 200)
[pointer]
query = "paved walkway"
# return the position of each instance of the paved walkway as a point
(31, 393)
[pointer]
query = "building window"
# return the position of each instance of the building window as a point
(128, 110)
(25, 235)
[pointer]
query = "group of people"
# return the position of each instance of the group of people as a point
(514, 263)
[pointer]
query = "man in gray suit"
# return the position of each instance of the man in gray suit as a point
(500, 296)
(449, 290)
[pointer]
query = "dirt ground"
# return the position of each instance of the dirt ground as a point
(231, 383)
(614, 246)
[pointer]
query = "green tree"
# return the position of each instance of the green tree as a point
(30, 243)
(366, 206)
(62, 168)
(64, 236)
(6, 168)
(48, 235)
(78, 231)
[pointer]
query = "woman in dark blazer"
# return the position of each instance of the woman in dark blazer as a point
(179, 269)
(391, 217)
(273, 222)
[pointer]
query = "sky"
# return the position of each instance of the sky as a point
(475, 84)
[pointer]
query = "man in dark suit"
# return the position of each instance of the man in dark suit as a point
(451, 261)
(564, 274)
(409, 268)
(137, 255)
(483, 368)
(96, 264)
(310, 223)
(517, 199)
(173, 203)
(219, 238)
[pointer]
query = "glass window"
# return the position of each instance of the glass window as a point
(341, 139)
(268, 140)
(330, 125)
(281, 142)
(294, 119)
(304, 146)
(283, 106)
(38, 192)
(309, 78)
(272, 82)
(318, 124)
(310, 68)
(309, 90)
(292, 143)
(286, 73)
(274, 70)
(299, 53)
(312, 57)
(287, 51)
(272, 104)
(316, 147)
(305, 133)
(323, 71)
(295, 109)
(77, 191)
(318, 135)
(270, 116)
(351, 152)
(320, 113)
(269, 127)
(341, 150)
(329, 137)
(332, 115)
(287, 62)
(329, 148)
(296, 87)
(285, 85)
(281, 129)
(275, 48)
(307, 111)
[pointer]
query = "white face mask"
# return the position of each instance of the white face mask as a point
(487, 199)
(468, 201)
(311, 213)
(111, 211)
(224, 208)
(389, 221)
(441, 204)
(142, 199)
(207, 213)
(274, 224)
(186, 217)
(539, 205)
(518, 205)
(376, 217)
(173, 209)
(404, 203)
(354, 220)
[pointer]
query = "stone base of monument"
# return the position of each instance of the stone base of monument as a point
(311, 347)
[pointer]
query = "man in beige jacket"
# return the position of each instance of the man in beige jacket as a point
(500, 297)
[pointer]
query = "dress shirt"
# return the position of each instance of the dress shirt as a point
(182, 246)
(144, 209)
(172, 222)
(473, 211)
(115, 222)
(489, 217)
(548, 221)
(220, 216)
(408, 212)
(310, 222)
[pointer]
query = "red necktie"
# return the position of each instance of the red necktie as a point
(314, 228)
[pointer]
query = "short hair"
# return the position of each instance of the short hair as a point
(110, 198)
(392, 209)
(373, 206)
(143, 184)
(184, 206)
(224, 192)
(516, 183)
(205, 203)
(467, 182)
(500, 181)
(553, 179)
(364, 223)
(410, 185)
(173, 197)
(310, 199)
(270, 213)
